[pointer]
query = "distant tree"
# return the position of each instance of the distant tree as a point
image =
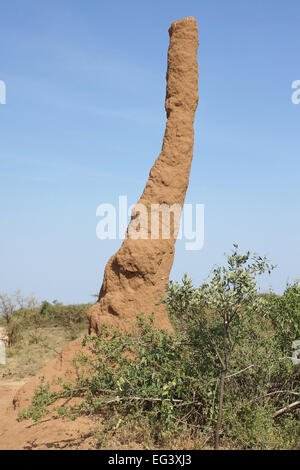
(10, 306)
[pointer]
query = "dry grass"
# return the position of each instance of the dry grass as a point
(34, 350)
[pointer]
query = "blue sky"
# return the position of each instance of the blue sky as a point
(84, 122)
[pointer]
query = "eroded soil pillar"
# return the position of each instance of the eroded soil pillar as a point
(136, 276)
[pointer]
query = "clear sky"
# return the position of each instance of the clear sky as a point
(84, 121)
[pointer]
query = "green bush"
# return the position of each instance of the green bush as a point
(14, 332)
(285, 316)
(222, 372)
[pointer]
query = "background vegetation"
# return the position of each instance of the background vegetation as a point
(36, 333)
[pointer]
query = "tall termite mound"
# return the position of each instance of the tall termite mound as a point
(137, 275)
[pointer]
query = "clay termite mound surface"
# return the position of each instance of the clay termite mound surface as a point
(137, 275)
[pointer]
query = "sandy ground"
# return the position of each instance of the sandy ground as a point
(52, 433)
(7, 392)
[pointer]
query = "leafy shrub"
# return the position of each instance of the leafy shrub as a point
(70, 317)
(14, 332)
(285, 316)
(221, 374)
(42, 398)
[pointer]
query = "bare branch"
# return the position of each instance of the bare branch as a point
(289, 407)
(239, 372)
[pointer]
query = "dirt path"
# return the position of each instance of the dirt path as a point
(7, 392)
(52, 433)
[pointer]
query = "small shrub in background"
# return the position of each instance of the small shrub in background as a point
(13, 309)
(285, 316)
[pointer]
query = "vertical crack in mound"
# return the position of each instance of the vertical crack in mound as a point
(137, 275)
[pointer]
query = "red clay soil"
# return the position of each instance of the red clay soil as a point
(138, 273)
(53, 432)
